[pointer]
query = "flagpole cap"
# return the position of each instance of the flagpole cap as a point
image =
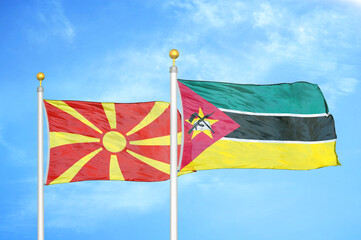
(40, 76)
(173, 54)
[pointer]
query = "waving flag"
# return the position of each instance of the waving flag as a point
(282, 126)
(108, 141)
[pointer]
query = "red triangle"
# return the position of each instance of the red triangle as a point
(192, 102)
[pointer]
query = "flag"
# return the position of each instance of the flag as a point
(280, 126)
(108, 141)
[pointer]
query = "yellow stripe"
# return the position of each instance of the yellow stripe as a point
(109, 109)
(292, 156)
(157, 110)
(158, 141)
(180, 173)
(114, 170)
(161, 166)
(63, 138)
(70, 173)
(71, 111)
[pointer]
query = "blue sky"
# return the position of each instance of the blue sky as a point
(118, 51)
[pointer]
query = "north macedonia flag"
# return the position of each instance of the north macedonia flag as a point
(108, 141)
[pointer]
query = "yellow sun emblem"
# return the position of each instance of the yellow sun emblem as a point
(201, 124)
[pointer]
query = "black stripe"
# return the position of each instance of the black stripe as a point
(283, 128)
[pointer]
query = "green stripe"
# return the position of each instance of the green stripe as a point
(295, 98)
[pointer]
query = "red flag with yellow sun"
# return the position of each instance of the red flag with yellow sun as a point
(108, 141)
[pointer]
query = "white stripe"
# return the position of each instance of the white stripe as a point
(276, 114)
(276, 141)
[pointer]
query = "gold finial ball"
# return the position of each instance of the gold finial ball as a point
(40, 76)
(173, 53)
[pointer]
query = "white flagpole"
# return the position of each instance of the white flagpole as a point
(40, 76)
(173, 148)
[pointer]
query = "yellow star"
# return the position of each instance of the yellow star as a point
(202, 127)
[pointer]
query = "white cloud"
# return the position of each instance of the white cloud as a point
(312, 42)
(52, 22)
(13, 151)
(348, 85)
(338, 87)
(267, 15)
(203, 64)
(306, 41)
(86, 204)
(218, 186)
(134, 75)
(356, 3)
(210, 13)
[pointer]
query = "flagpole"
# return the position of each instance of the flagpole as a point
(173, 148)
(40, 76)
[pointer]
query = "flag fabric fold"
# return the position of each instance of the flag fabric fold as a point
(280, 126)
(108, 141)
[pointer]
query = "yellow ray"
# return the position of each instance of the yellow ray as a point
(71, 111)
(157, 110)
(161, 166)
(185, 172)
(70, 173)
(114, 170)
(63, 138)
(158, 141)
(109, 109)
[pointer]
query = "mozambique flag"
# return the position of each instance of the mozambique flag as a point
(108, 141)
(281, 126)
